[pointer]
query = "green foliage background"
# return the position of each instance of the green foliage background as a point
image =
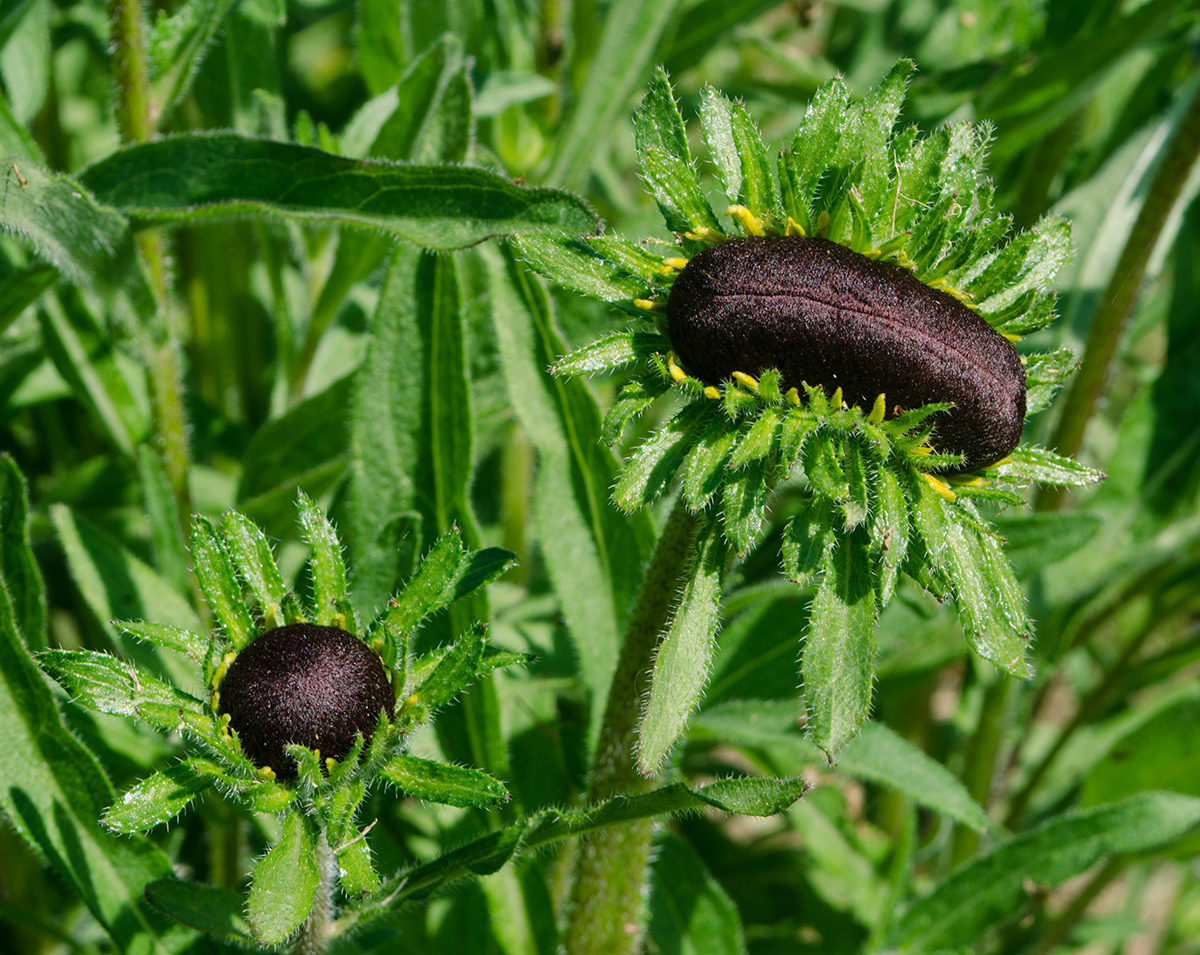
(205, 321)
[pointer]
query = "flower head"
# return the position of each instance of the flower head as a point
(303, 708)
(879, 493)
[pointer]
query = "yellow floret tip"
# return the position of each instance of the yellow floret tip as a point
(751, 223)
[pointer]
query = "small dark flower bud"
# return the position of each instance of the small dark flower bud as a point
(313, 686)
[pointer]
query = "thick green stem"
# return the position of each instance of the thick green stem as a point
(136, 120)
(1117, 304)
(130, 71)
(608, 898)
(314, 935)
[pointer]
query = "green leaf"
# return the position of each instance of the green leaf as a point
(705, 471)
(156, 799)
(744, 502)
(439, 207)
(447, 572)
(683, 659)
(18, 568)
(611, 351)
(823, 453)
(632, 400)
(22, 288)
(989, 889)
(689, 911)
(1027, 465)
(1157, 753)
(178, 46)
(674, 187)
(166, 529)
(880, 755)
(168, 637)
(214, 573)
(627, 46)
(577, 265)
(207, 908)
(284, 882)
(990, 603)
(304, 448)
(649, 471)
(891, 527)
(443, 783)
(1044, 375)
(115, 584)
(581, 535)
(453, 672)
(64, 224)
(807, 541)
(738, 151)
(657, 123)
(380, 45)
(839, 648)
(52, 792)
(96, 371)
(332, 602)
(101, 682)
(255, 563)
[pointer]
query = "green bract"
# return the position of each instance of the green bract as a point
(870, 505)
(236, 570)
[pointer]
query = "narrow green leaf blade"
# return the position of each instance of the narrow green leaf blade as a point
(328, 568)
(989, 600)
(689, 911)
(207, 908)
(882, 756)
(255, 562)
(990, 888)
(284, 882)
(439, 207)
(52, 792)
(1029, 465)
(17, 565)
(453, 672)
(101, 682)
(156, 799)
(214, 573)
(684, 657)
(650, 470)
(442, 782)
(62, 222)
(839, 649)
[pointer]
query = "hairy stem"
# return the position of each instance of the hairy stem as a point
(1117, 304)
(313, 937)
(136, 121)
(607, 897)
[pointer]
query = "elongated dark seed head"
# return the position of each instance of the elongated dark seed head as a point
(306, 684)
(825, 315)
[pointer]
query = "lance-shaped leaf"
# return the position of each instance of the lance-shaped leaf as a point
(439, 207)
(654, 464)
(748, 797)
(208, 908)
(19, 569)
(1027, 465)
(990, 603)
(684, 656)
(578, 266)
(285, 882)
(328, 568)
(214, 573)
(171, 638)
(457, 667)
(52, 792)
(443, 783)
(64, 224)
(987, 890)
(156, 799)
(839, 649)
(255, 562)
(101, 682)
(448, 571)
